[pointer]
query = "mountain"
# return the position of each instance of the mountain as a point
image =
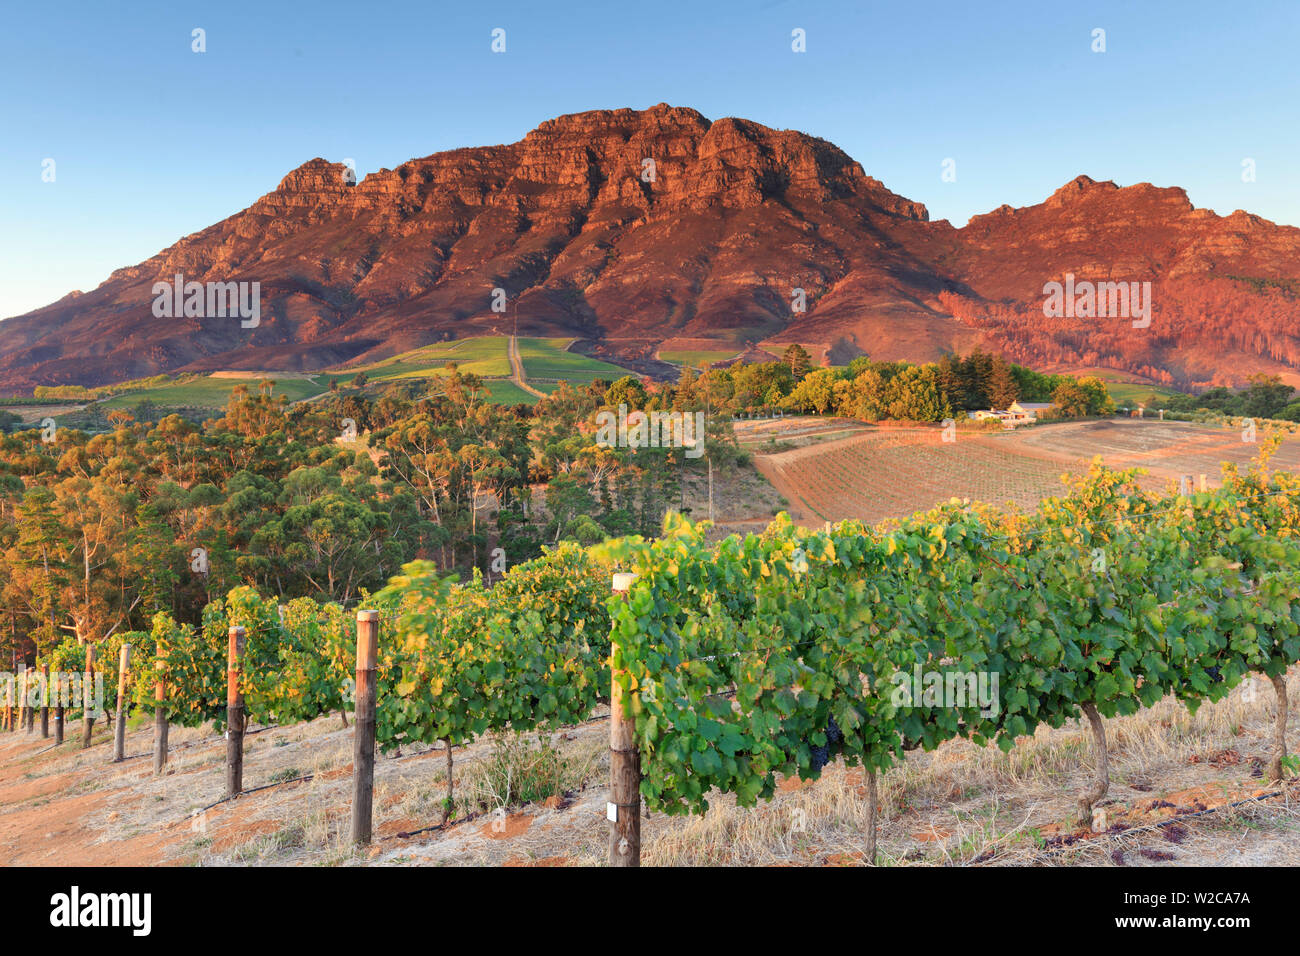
(702, 250)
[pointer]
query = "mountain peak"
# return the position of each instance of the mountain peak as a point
(1078, 188)
(658, 116)
(627, 229)
(314, 175)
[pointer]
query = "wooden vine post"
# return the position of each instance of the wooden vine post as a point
(58, 692)
(45, 701)
(34, 688)
(119, 735)
(28, 712)
(363, 727)
(19, 691)
(1277, 764)
(234, 715)
(88, 697)
(624, 808)
(159, 720)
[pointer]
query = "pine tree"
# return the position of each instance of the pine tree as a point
(799, 361)
(1002, 387)
(39, 561)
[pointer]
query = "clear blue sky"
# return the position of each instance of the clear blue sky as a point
(152, 141)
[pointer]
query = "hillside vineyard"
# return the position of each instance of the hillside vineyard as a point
(766, 656)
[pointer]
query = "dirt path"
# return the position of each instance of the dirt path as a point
(517, 370)
(770, 467)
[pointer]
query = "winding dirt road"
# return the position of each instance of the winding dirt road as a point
(517, 370)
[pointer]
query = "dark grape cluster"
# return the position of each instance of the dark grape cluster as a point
(821, 756)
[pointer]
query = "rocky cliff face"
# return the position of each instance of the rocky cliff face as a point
(626, 228)
(1098, 229)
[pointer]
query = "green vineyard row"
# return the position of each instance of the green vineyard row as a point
(757, 657)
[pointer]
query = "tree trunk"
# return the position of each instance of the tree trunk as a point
(446, 807)
(1279, 729)
(1101, 784)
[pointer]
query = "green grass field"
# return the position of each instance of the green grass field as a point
(1130, 393)
(213, 393)
(1126, 393)
(487, 356)
(505, 392)
(547, 359)
(694, 358)
(545, 363)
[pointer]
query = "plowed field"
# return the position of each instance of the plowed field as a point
(887, 473)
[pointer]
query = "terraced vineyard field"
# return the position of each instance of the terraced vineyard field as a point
(213, 391)
(545, 360)
(892, 473)
(508, 393)
(545, 364)
(483, 355)
(884, 473)
(1125, 391)
(794, 431)
(693, 357)
(1166, 449)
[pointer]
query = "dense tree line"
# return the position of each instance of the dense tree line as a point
(875, 391)
(101, 530)
(135, 513)
(1264, 397)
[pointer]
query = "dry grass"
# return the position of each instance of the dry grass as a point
(959, 805)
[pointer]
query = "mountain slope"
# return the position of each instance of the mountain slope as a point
(734, 218)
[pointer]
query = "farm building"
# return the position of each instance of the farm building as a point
(1018, 414)
(1027, 411)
